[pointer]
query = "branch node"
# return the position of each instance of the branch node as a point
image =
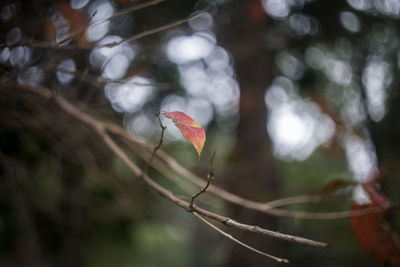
(210, 178)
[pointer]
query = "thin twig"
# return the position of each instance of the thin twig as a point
(100, 128)
(77, 33)
(157, 147)
(91, 79)
(210, 178)
(156, 30)
(113, 44)
(326, 215)
(292, 200)
(115, 15)
(238, 241)
(129, 10)
(97, 81)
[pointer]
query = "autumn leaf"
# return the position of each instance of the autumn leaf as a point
(189, 128)
(371, 232)
(375, 236)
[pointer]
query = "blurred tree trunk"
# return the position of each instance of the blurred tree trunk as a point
(252, 174)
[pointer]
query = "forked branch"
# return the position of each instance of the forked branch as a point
(210, 178)
(101, 129)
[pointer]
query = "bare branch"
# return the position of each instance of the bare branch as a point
(290, 238)
(269, 207)
(326, 215)
(292, 200)
(100, 128)
(238, 241)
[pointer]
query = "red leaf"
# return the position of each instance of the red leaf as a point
(375, 237)
(190, 129)
(372, 233)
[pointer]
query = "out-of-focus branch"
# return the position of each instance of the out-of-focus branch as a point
(93, 80)
(115, 15)
(156, 30)
(268, 207)
(99, 81)
(112, 44)
(77, 33)
(129, 10)
(100, 128)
